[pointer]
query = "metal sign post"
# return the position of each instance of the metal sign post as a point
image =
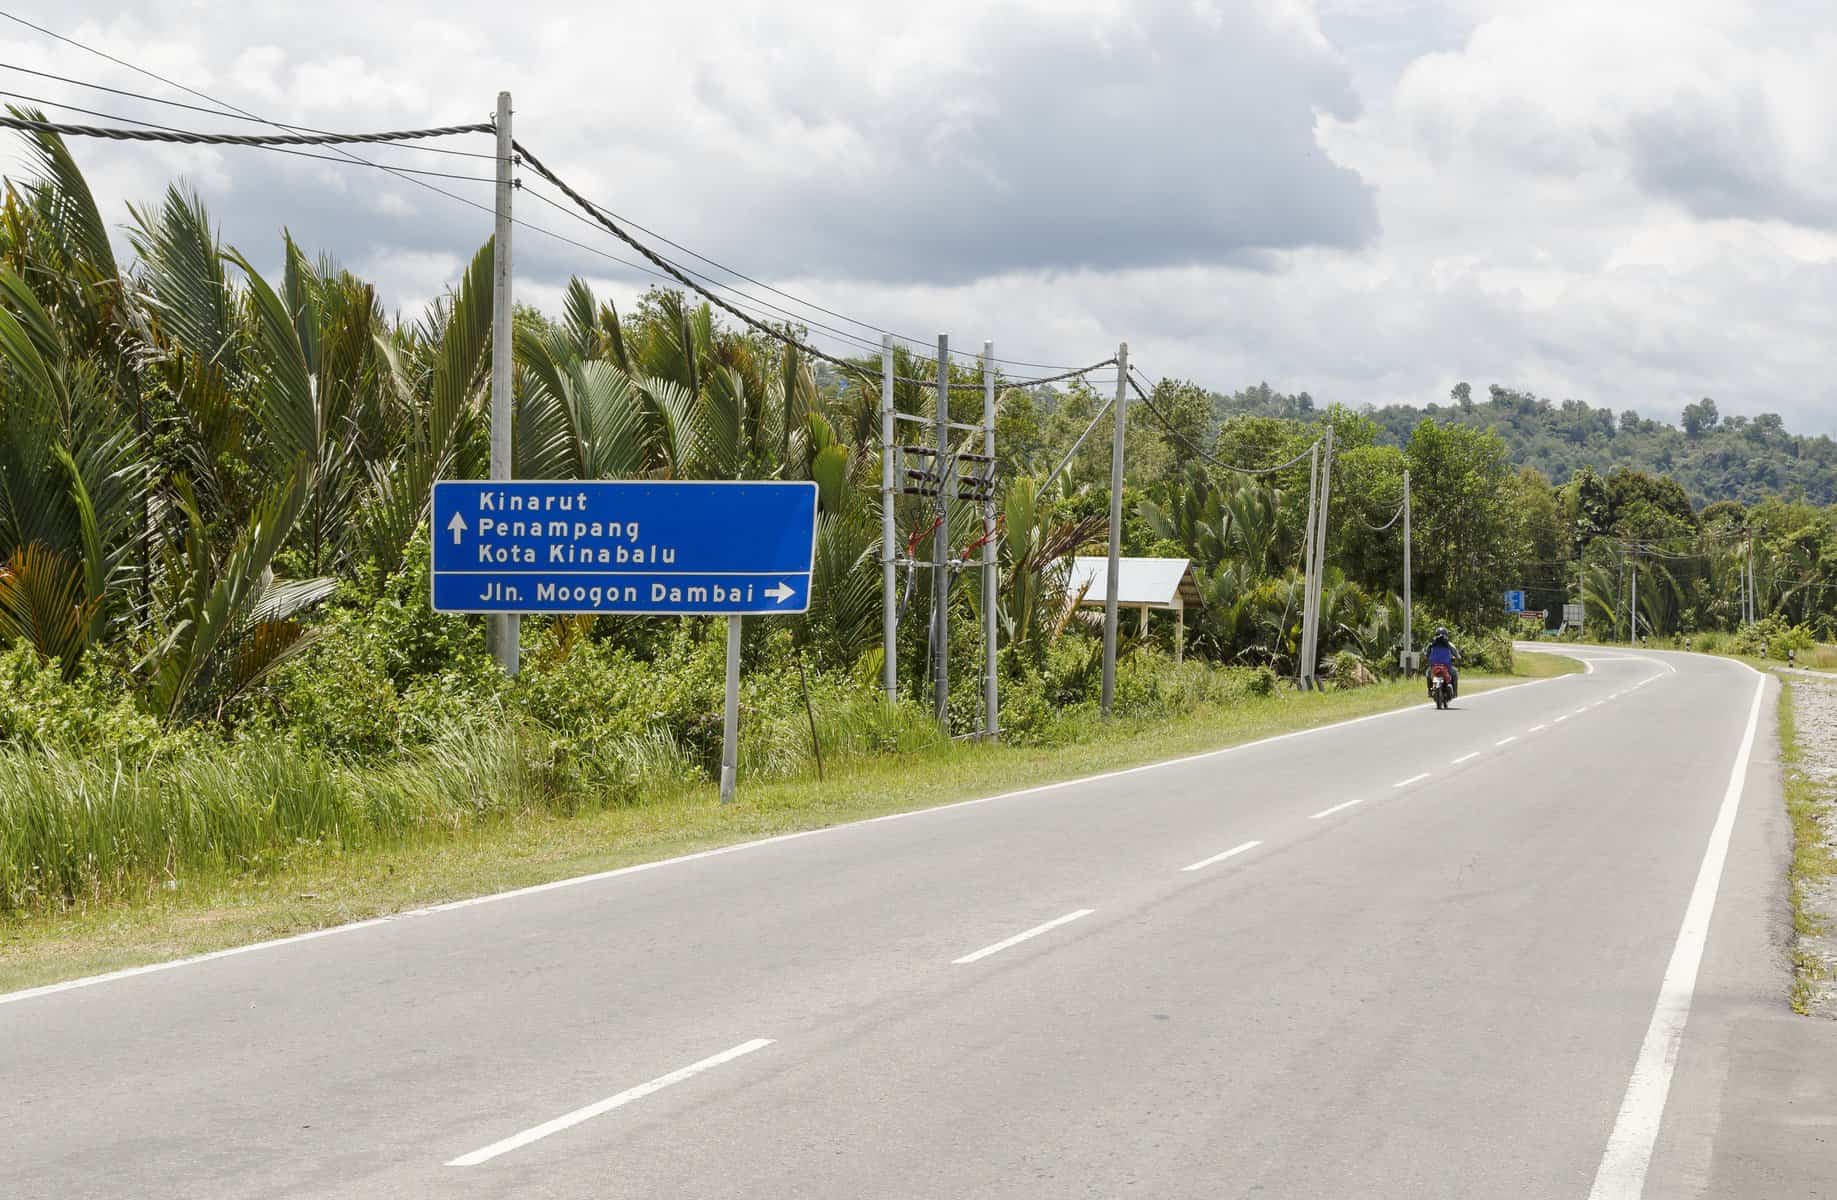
(730, 713)
(636, 548)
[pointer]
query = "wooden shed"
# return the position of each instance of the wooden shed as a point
(1144, 584)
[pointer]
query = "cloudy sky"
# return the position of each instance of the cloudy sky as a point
(1630, 203)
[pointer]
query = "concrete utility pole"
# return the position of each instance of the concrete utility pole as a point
(1753, 590)
(1409, 644)
(502, 629)
(889, 577)
(1311, 611)
(991, 567)
(1633, 607)
(1747, 607)
(1307, 566)
(1114, 576)
(940, 544)
(1320, 557)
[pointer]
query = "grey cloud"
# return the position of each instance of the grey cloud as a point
(1060, 183)
(1722, 156)
(1167, 141)
(1166, 135)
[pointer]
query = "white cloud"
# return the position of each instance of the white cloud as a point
(1627, 203)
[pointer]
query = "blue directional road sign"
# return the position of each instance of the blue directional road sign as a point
(1514, 602)
(639, 548)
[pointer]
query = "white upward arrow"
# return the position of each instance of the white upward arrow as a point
(781, 593)
(458, 526)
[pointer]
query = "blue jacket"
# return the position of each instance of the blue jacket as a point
(1443, 653)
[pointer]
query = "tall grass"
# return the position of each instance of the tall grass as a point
(90, 827)
(77, 828)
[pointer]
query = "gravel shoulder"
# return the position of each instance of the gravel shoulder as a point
(1811, 794)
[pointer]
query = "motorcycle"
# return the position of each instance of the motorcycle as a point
(1441, 685)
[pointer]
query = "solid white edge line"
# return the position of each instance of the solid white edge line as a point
(1465, 758)
(51, 989)
(569, 1120)
(1216, 858)
(1506, 741)
(1401, 783)
(1622, 1174)
(1020, 937)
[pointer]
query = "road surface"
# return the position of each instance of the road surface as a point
(1423, 954)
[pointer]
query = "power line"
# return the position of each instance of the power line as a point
(211, 112)
(281, 143)
(537, 165)
(1395, 517)
(686, 278)
(233, 109)
(766, 304)
(120, 62)
(167, 133)
(598, 215)
(738, 274)
(1185, 441)
(293, 137)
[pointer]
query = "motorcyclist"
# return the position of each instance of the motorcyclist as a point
(1443, 651)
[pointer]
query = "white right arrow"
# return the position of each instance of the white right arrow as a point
(458, 526)
(781, 593)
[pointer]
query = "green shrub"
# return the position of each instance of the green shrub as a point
(595, 697)
(384, 673)
(1028, 716)
(1771, 637)
(96, 711)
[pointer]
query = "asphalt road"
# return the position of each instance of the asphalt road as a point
(1425, 954)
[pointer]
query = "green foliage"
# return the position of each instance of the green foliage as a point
(214, 551)
(1709, 458)
(43, 711)
(1770, 637)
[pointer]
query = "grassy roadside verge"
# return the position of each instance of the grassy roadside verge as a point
(1813, 864)
(319, 889)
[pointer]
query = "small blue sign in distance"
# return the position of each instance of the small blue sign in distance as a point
(1514, 602)
(640, 548)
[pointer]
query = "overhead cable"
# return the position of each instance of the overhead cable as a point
(799, 318)
(210, 112)
(163, 133)
(231, 109)
(304, 135)
(1187, 442)
(1395, 517)
(664, 264)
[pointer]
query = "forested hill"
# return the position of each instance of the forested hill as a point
(1712, 457)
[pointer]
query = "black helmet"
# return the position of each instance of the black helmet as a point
(1441, 631)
